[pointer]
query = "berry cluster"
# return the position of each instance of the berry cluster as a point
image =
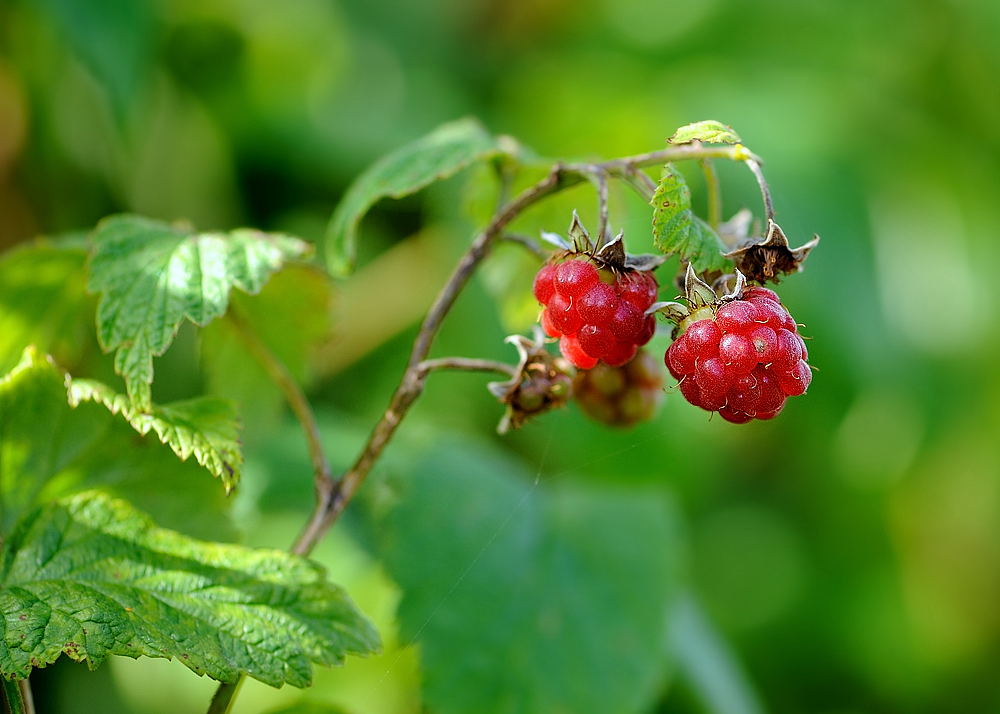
(743, 359)
(621, 396)
(598, 314)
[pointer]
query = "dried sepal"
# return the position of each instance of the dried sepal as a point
(541, 382)
(696, 291)
(764, 260)
(579, 238)
(557, 240)
(673, 311)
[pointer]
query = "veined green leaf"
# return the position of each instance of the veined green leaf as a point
(677, 230)
(541, 599)
(152, 276)
(707, 132)
(442, 153)
(91, 576)
(49, 449)
(206, 428)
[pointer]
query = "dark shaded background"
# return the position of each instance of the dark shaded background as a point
(850, 550)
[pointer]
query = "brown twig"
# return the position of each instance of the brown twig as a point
(322, 476)
(599, 177)
(467, 364)
(640, 182)
(754, 166)
(527, 243)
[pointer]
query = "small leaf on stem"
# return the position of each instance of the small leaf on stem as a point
(707, 132)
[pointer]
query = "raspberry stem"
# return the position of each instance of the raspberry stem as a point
(331, 504)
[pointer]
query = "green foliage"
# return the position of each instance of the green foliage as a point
(677, 230)
(113, 38)
(706, 663)
(49, 449)
(707, 132)
(92, 577)
(207, 428)
(539, 599)
(43, 301)
(152, 276)
(442, 153)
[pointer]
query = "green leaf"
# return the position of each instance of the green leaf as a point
(707, 132)
(442, 153)
(207, 428)
(706, 663)
(152, 276)
(92, 577)
(293, 316)
(44, 301)
(677, 230)
(540, 599)
(115, 39)
(49, 449)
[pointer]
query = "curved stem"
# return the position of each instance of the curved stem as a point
(640, 182)
(599, 177)
(528, 243)
(322, 476)
(225, 695)
(467, 364)
(714, 194)
(764, 190)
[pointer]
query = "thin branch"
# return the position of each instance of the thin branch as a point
(599, 177)
(737, 152)
(764, 190)
(527, 243)
(640, 181)
(466, 364)
(714, 193)
(322, 477)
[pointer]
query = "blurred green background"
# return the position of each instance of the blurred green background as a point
(849, 551)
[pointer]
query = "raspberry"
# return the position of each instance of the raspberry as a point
(743, 358)
(621, 396)
(602, 309)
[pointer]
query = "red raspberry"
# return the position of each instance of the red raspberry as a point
(601, 309)
(621, 396)
(743, 358)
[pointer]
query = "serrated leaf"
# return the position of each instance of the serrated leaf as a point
(541, 599)
(293, 316)
(677, 230)
(92, 577)
(49, 449)
(707, 132)
(152, 276)
(207, 428)
(44, 301)
(442, 153)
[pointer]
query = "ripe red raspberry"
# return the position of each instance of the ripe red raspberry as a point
(596, 310)
(742, 358)
(621, 396)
